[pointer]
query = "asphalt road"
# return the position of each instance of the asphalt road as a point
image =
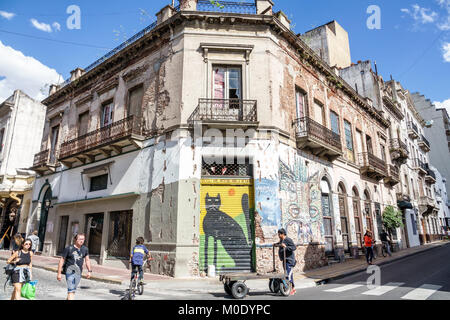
(424, 276)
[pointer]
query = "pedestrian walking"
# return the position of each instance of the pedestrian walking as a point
(137, 259)
(35, 241)
(368, 244)
(16, 243)
(22, 259)
(384, 237)
(71, 264)
(288, 244)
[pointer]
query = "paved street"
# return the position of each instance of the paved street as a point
(424, 276)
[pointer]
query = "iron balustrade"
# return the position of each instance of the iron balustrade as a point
(367, 159)
(419, 164)
(430, 172)
(227, 6)
(41, 158)
(225, 110)
(308, 127)
(424, 140)
(394, 172)
(412, 126)
(102, 136)
(426, 201)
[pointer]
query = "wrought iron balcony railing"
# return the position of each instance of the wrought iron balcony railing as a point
(102, 136)
(40, 158)
(430, 175)
(399, 150)
(227, 6)
(369, 163)
(224, 110)
(423, 143)
(306, 127)
(418, 164)
(412, 129)
(394, 172)
(397, 144)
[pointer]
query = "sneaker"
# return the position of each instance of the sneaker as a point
(293, 292)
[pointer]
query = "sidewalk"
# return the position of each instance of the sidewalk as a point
(309, 278)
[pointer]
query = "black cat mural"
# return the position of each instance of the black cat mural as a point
(221, 226)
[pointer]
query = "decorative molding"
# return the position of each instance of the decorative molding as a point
(132, 74)
(244, 48)
(104, 87)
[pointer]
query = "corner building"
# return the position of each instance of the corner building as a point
(127, 150)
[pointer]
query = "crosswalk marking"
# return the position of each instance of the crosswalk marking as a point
(345, 288)
(422, 293)
(383, 289)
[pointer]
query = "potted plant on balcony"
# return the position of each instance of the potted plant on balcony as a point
(392, 219)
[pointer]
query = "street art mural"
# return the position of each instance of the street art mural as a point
(268, 216)
(226, 224)
(301, 209)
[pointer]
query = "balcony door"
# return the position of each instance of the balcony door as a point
(227, 82)
(319, 114)
(334, 120)
(135, 97)
(107, 114)
(54, 143)
(369, 144)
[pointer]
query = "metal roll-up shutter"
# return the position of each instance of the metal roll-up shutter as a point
(226, 225)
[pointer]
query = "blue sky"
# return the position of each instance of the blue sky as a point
(410, 45)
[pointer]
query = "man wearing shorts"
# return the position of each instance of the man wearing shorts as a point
(71, 264)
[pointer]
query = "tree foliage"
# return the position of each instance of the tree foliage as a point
(392, 218)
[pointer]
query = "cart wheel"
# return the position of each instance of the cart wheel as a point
(274, 285)
(239, 290)
(227, 287)
(285, 288)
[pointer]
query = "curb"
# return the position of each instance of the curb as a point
(347, 274)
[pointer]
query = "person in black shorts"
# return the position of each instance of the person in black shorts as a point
(22, 272)
(71, 264)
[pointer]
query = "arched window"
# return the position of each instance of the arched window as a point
(357, 215)
(368, 211)
(345, 228)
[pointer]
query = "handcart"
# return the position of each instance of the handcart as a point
(234, 283)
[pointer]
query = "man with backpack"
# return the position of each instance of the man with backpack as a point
(71, 264)
(287, 247)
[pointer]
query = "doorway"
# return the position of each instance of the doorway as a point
(64, 224)
(94, 232)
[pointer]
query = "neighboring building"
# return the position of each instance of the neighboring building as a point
(443, 219)
(21, 123)
(123, 155)
(438, 132)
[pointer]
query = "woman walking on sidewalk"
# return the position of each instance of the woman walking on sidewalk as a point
(22, 272)
(368, 244)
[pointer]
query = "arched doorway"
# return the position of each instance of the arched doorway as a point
(9, 223)
(46, 200)
(368, 212)
(344, 217)
(357, 215)
(328, 225)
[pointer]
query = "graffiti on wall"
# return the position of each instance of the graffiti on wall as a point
(268, 216)
(226, 227)
(301, 209)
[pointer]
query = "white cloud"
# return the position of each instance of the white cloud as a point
(446, 51)
(41, 25)
(7, 15)
(56, 26)
(18, 71)
(444, 104)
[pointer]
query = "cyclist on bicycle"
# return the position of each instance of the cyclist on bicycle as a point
(386, 241)
(137, 259)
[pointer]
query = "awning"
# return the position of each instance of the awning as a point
(404, 205)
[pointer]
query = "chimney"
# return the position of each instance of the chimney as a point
(165, 13)
(188, 5)
(75, 74)
(284, 19)
(264, 7)
(53, 89)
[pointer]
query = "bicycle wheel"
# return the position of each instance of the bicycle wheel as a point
(140, 288)
(132, 292)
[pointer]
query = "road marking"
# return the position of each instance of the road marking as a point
(345, 288)
(383, 289)
(422, 293)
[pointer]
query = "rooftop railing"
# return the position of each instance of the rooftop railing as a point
(227, 6)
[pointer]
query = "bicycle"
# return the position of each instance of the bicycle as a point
(136, 285)
(384, 250)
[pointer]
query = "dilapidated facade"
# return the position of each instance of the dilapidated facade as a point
(132, 147)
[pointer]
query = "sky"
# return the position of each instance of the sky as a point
(38, 46)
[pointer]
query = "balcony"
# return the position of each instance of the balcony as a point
(420, 166)
(423, 143)
(427, 205)
(225, 112)
(227, 7)
(393, 177)
(399, 151)
(430, 176)
(393, 107)
(372, 167)
(45, 161)
(319, 140)
(413, 132)
(103, 141)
